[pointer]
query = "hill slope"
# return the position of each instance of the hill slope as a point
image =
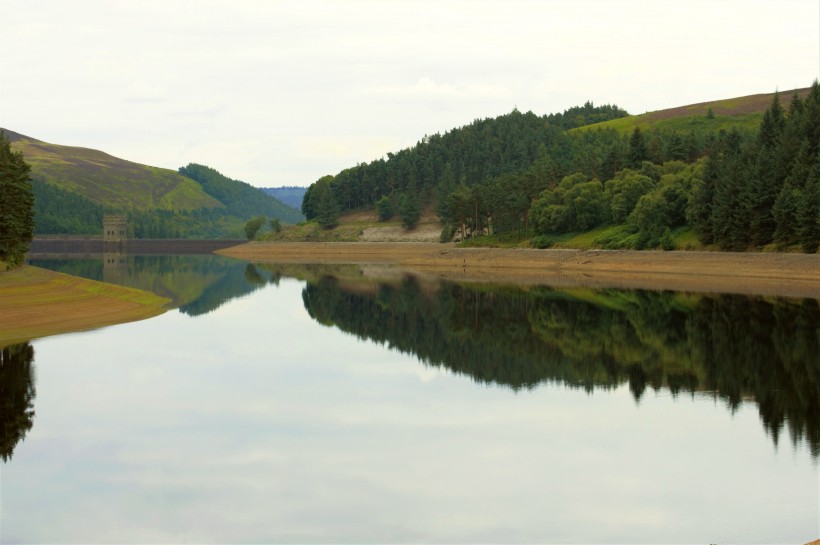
(241, 198)
(110, 180)
(740, 112)
(75, 186)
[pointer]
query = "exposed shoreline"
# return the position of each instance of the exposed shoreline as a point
(36, 303)
(767, 274)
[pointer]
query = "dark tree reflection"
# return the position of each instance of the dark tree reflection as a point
(735, 347)
(16, 396)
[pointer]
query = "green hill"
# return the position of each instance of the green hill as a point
(743, 113)
(74, 187)
(109, 180)
(240, 197)
(740, 173)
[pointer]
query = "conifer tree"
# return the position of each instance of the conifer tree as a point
(768, 176)
(410, 207)
(808, 212)
(16, 205)
(785, 213)
(327, 208)
(384, 208)
(676, 151)
(637, 149)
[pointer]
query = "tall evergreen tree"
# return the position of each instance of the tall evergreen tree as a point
(410, 207)
(16, 205)
(638, 152)
(808, 212)
(327, 207)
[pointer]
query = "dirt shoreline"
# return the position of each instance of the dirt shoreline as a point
(36, 303)
(768, 274)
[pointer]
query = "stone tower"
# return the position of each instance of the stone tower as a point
(114, 229)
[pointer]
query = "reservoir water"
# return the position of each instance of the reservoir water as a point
(296, 404)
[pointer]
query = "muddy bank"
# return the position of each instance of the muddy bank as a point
(36, 303)
(787, 275)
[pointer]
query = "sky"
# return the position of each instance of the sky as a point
(284, 92)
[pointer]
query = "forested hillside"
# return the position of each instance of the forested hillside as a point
(110, 180)
(737, 183)
(74, 187)
(240, 198)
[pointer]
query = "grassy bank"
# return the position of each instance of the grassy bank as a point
(36, 303)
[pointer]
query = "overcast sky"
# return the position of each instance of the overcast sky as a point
(284, 92)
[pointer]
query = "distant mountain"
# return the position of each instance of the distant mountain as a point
(75, 186)
(290, 195)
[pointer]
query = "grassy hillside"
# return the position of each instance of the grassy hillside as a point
(741, 112)
(109, 180)
(74, 187)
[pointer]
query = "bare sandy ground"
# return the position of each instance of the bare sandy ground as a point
(36, 303)
(769, 274)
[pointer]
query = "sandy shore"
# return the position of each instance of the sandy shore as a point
(770, 274)
(36, 303)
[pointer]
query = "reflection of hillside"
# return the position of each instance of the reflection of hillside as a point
(734, 347)
(196, 284)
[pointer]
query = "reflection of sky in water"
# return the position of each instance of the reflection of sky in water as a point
(256, 424)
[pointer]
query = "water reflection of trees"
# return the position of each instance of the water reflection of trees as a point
(196, 284)
(734, 347)
(16, 396)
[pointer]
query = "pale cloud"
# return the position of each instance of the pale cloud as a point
(222, 152)
(141, 91)
(427, 88)
(313, 87)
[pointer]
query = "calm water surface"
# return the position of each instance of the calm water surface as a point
(295, 404)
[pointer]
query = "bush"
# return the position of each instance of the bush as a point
(542, 241)
(384, 208)
(447, 233)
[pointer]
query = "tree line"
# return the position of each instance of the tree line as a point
(765, 189)
(477, 152)
(525, 176)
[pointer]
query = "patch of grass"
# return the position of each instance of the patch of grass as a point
(617, 237)
(310, 231)
(496, 241)
(739, 112)
(685, 238)
(683, 124)
(609, 237)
